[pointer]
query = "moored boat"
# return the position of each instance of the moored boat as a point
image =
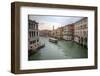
(34, 50)
(53, 40)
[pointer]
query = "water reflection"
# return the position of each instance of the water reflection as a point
(62, 50)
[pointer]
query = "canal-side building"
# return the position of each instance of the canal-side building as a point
(59, 33)
(33, 35)
(81, 31)
(56, 33)
(52, 33)
(49, 33)
(68, 32)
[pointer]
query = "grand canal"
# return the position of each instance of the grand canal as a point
(61, 50)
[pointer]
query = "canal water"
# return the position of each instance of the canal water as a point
(61, 50)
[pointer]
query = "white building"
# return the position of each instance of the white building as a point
(33, 35)
(81, 31)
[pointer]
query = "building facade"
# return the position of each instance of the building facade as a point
(52, 33)
(59, 33)
(81, 31)
(33, 35)
(68, 32)
(77, 32)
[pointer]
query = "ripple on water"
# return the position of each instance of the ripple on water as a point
(62, 50)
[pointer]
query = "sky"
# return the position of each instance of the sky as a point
(47, 22)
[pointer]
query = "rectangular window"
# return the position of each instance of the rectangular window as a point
(29, 33)
(34, 33)
(37, 33)
(37, 40)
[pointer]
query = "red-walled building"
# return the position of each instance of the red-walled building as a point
(68, 32)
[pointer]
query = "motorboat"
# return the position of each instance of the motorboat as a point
(53, 40)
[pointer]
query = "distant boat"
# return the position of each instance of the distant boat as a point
(53, 40)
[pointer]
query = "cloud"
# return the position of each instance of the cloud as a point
(47, 22)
